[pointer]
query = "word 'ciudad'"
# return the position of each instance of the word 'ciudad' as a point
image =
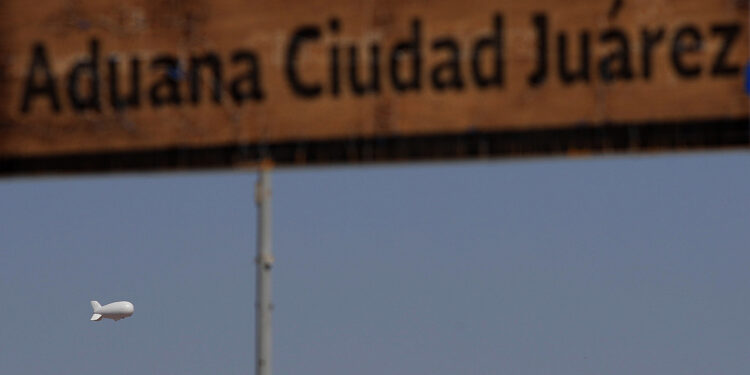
(401, 67)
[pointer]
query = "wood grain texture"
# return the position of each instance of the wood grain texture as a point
(146, 30)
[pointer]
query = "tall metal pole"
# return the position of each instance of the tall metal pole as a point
(263, 261)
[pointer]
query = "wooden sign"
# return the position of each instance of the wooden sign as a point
(103, 85)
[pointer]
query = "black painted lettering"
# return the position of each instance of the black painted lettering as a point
(373, 86)
(540, 73)
(728, 34)
(166, 90)
(493, 44)
(447, 74)
(301, 35)
(616, 64)
(400, 53)
(687, 40)
(32, 88)
(89, 99)
(649, 40)
(335, 71)
(133, 99)
(567, 74)
(247, 86)
(211, 60)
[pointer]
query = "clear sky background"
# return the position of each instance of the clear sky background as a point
(614, 265)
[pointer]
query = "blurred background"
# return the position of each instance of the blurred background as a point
(473, 187)
(615, 265)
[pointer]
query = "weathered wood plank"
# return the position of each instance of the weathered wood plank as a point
(229, 73)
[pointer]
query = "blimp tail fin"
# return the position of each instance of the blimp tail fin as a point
(96, 317)
(95, 305)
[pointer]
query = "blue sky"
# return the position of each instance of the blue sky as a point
(612, 265)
